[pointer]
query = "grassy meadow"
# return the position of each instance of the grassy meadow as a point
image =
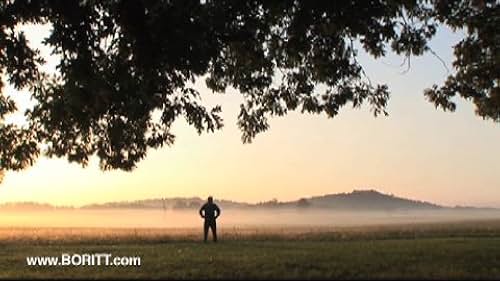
(461, 250)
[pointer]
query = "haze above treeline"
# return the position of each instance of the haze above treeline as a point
(357, 200)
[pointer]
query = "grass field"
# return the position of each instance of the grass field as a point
(468, 250)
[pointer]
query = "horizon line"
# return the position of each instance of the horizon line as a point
(78, 206)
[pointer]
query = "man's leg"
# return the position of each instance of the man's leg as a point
(205, 230)
(214, 231)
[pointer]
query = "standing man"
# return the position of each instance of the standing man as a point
(210, 212)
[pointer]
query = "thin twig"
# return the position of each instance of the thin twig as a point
(440, 59)
(408, 58)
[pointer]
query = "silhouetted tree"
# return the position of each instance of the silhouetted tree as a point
(122, 60)
(302, 203)
(477, 57)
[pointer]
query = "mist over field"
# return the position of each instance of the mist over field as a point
(357, 208)
(329, 236)
(143, 218)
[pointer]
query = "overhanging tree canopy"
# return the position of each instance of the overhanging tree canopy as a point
(122, 60)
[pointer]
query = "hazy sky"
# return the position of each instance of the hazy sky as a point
(417, 151)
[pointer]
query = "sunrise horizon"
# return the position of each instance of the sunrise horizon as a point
(254, 202)
(250, 140)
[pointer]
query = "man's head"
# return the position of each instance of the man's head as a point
(210, 199)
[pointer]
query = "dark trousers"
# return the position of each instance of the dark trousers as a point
(213, 226)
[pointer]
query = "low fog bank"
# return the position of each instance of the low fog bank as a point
(137, 218)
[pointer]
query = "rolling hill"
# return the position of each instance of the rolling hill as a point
(368, 200)
(352, 201)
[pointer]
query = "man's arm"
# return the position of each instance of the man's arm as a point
(217, 210)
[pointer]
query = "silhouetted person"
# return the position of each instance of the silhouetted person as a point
(210, 212)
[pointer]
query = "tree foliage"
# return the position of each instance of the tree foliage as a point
(477, 57)
(123, 60)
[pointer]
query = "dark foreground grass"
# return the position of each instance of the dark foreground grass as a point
(323, 255)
